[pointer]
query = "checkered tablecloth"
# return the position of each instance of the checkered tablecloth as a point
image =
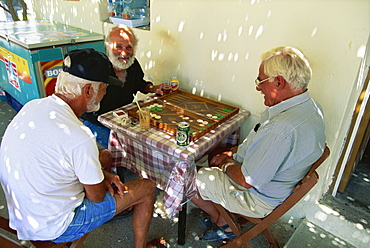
(154, 154)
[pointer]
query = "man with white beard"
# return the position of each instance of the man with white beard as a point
(120, 46)
(51, 169)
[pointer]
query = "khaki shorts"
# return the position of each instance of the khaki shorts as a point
(214, 185)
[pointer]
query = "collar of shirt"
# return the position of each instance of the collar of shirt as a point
(273, 111)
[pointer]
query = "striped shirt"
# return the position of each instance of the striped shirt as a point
(275, 157)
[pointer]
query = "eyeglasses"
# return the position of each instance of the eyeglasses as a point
(258, 81)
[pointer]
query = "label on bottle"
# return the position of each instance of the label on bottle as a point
(174, 84)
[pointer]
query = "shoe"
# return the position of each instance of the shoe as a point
(205, 219)
(217, 233)
(157, 243)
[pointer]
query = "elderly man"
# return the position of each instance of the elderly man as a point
(260, 174)
(49, 162)
(120, 46)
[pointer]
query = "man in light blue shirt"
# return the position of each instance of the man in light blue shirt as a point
(260, 174)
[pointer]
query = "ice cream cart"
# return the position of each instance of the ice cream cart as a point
(31, 54)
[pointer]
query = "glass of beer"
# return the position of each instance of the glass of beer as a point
(166, 87)
(144, 119)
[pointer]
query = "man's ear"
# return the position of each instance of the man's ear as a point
(88, 91)
(280, 82)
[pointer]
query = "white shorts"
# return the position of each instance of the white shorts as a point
(214, 185)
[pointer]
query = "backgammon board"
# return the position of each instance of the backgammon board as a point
(201, 113)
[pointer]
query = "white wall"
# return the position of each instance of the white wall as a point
(86, 14)
(215, 46)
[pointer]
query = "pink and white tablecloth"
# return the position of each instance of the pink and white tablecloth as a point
(154, 154)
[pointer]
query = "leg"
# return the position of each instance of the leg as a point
(141, 195)
(209, 208)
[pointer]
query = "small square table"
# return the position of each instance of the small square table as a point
(154, 154)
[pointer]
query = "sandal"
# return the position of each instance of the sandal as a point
(217, 233)
(157, 243)
(205, 219)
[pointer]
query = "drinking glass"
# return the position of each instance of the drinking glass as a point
(144, 119)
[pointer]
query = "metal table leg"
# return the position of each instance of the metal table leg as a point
(182, 225)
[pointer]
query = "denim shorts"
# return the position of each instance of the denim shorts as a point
(88, 216)
(101, 133)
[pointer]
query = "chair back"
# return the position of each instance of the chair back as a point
(318, 162)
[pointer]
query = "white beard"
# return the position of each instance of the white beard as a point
(117, 64)
(92, 106)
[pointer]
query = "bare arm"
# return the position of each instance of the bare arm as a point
(96, 192)
(234, 170)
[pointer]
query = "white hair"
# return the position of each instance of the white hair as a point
(289, 63)
(121, 28)
(71, 86)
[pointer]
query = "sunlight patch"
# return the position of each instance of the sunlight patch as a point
(52, 115)
(250, 30)
(246, 56)
(213, 55)
(18, 214)
(181, 26)
(240, 31)
(33, 222)
(194, 90)
(16, 175)
(201, 35)
(32, 125)
(321, 216)
(236, 57)
(211, 178)
(259, 31)
(314, 31)
(269, 14)
(361, 51)
(221, 56)
(359, 226)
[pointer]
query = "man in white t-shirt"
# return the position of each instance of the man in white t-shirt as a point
(51, 169)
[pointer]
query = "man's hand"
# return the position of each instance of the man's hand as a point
(222, 157)
(155, 89)
(111, 179)
(158, 89)
(234, 170)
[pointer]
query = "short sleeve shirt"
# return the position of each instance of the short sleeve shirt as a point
(45, 157)
(278, 155)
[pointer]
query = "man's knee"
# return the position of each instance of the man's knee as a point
(149, 187)
(150, 184)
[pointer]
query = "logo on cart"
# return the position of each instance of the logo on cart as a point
(12, 71)
(53, 72)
